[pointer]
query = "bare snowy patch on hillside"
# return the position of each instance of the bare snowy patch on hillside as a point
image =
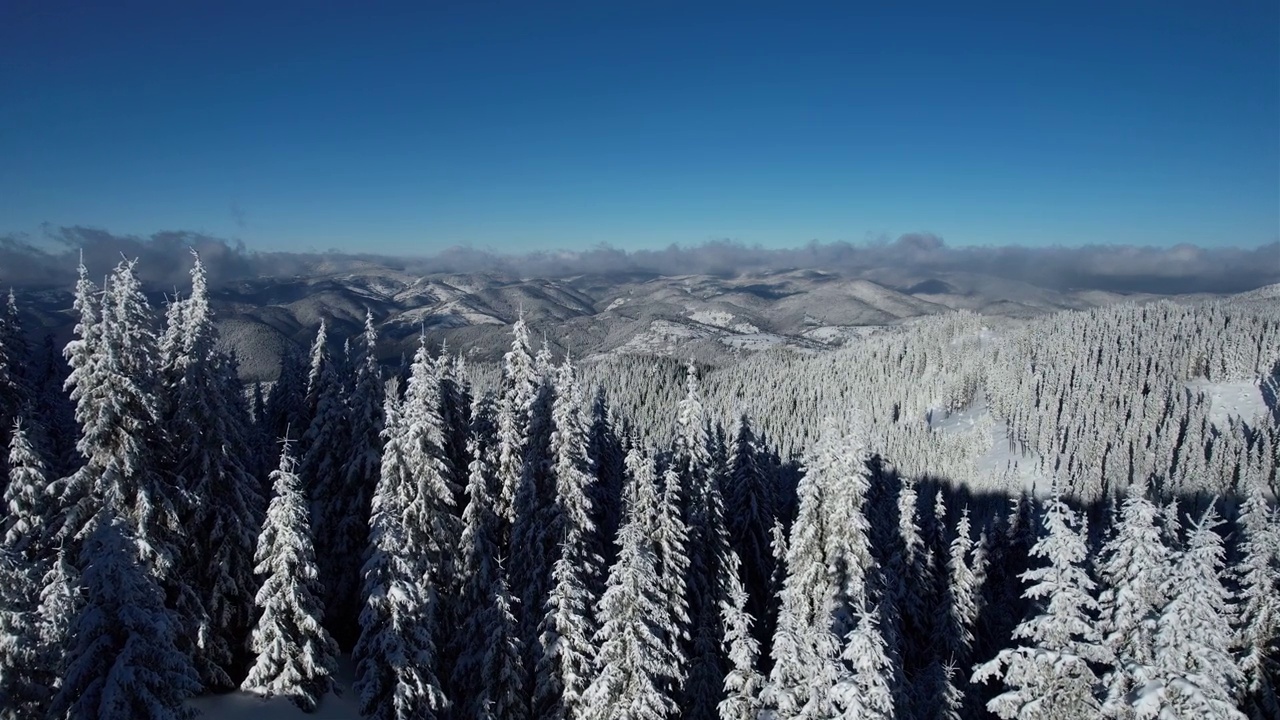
(1240, 398)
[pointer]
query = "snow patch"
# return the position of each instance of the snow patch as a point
(714, 318)
(1240, 398)
(754, 341)
(342, 704)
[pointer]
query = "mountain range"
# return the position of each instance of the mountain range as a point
(712, 318)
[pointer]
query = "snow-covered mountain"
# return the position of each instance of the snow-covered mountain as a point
(709, 317)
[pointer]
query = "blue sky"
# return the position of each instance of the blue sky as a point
(511, 125)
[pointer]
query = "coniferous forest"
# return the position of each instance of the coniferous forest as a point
(941, 520)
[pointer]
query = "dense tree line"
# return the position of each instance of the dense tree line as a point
(785, 537)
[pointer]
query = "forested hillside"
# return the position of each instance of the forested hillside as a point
(1060, 518)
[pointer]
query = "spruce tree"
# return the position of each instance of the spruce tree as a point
(1193, 673)
(827, 563)
(348, 511)
(743, 682)
(1050, 675)
(565, 665)
(518, 392)
(633, 678)
(396, 655)
(1134, 566)
(1258, 576)
(865, 691)
(122, 660)
(750, 510)
(27, 501)
(213, 464)
(478, 556)
(326, 451)
(295, 655)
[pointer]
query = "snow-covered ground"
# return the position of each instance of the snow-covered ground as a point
(1000, 456)
(244, 706)
(1240, 398)
(754, 341)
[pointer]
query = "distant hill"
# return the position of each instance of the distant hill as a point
(712, 318)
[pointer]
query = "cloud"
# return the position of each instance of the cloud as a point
(164, 261)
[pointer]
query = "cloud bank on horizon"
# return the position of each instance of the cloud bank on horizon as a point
(164, 259)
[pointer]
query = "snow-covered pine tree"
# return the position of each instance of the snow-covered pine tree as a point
(317, 359)
(396, 656)
(1194, 673)
(743, 682)
(348, 510)
(1258, 616)
(502, 694)
(122, 660)
(212, 462)
(535, 518)
(1050, 676)
(1134, 566)
(568, 626)
(26, 498)
(478, 570)
(827, 559)
(865, 690)
(432, 518)
(455, 416)
(61, 600)
(750, 510)
(16, 389)
(608, 460)
(113, 382)
(327, 444)
(634, 663)
(296, 656)
(670, 543)
(959, 611)
(708, 550)
(518, 392)
(23, 685)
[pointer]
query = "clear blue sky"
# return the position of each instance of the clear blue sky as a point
(501, 125)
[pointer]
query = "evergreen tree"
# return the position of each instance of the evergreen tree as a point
(1050, 676)
(396, 655)
(122, 660)
(478, 571)
(27, 500)
(16, 390)
(565, 665)
(608, 458)
(743, 682)
(1258, 576)
(827, 562)
(61, 601)
(502, 679)
(432, 520)
(519, 390)
(1194, 674)
(348, 510)
(1134, 566)
(865, 690)
(670, 539)
(633, 680)
(327, 444)
(750, 511)
(23, 687)
(295, 654)
(212, 464)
